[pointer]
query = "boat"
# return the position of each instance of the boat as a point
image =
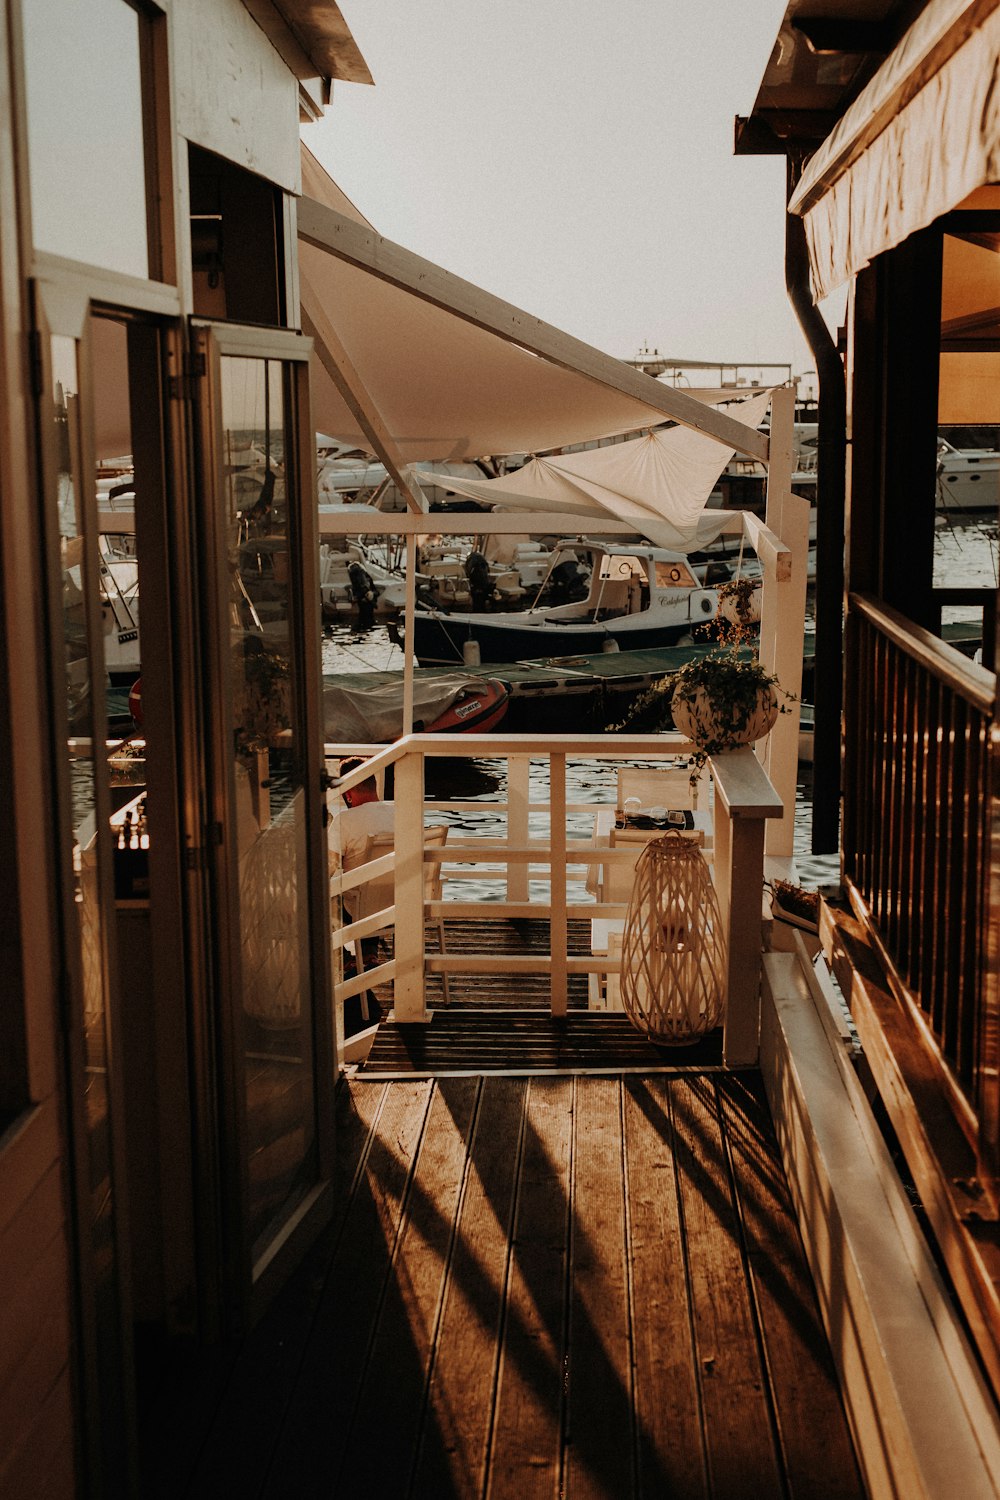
(351, 581)
(368, 709)
(967, 478)
(601, 597)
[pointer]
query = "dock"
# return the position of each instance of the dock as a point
(531, 1287)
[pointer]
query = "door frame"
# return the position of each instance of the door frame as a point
(249, 1286)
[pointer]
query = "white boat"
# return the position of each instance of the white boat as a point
(352, 581)
(967, 478)
(600, 596)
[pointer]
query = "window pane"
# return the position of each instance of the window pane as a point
(85, 132)
(270, 797)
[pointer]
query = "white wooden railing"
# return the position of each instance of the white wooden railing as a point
(743, 800)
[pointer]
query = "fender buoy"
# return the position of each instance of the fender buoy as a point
(135, 701)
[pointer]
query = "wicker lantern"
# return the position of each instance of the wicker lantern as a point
(673, 951)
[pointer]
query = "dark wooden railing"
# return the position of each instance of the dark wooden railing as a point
(916, 835)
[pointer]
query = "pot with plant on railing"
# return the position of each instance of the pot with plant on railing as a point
(718, 701)
(722, 701)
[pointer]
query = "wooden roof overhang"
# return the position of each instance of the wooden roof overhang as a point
(312, 38)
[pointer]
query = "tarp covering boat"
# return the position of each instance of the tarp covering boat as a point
(375, 714)
(661, 481)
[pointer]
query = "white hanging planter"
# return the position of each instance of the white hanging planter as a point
(742, 611)
(713, 727)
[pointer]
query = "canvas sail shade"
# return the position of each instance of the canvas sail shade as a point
(661, 481)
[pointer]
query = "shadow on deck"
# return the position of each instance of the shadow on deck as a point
(533, 1286)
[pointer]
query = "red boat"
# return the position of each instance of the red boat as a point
(475, 711)
(358, 712)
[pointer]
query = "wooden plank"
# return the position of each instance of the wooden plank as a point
(238, 1448)
(527, 1429)
(670, 1449)
(809, 1412)
(453, 1453)
(318, 1420)
(922, 1419)
(44, 1466)
(599, 1454)
(361, 246)
(743, 787)
(937, 1152)
(379, 1459)
(737, 1422)
(557, 882)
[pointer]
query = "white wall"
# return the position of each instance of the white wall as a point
(234, 95)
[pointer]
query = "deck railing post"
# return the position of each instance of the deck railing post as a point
(744, 800)
(558, 930)
(518, 798)
(409, 1001)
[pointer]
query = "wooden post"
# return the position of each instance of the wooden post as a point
(409, 1001)
(558, 936)
(518, 797)
(744, 799)
(409, 631)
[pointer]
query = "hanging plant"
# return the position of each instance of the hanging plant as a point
(718, 701)
(723, 701)
(739, 609)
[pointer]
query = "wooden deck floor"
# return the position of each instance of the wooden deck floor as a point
(547, 1286)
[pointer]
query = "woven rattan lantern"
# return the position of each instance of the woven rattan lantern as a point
(673, 951)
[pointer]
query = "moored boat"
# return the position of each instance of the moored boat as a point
(636, 596)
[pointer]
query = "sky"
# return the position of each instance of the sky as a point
(575, 157)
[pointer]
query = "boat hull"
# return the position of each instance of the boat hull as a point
(441, 641)
(475, 711)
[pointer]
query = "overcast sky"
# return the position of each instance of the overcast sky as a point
(576, 158)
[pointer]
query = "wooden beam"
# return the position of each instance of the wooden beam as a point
(354, 522)
(922, 1421)
(360, 246)
(340, 367)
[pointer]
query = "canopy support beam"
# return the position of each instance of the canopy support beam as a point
(340, 367)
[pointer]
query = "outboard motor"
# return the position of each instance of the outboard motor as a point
(363, 590)
(477, 571)
(568, 582)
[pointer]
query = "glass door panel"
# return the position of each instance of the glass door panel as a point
(76, 623)
(267, 753)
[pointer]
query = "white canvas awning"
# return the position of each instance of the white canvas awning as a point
(921, 137)
(660, 482)
(452, 371)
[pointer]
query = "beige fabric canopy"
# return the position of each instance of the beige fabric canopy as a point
(922, 136)
(445, 387)
(661, 481)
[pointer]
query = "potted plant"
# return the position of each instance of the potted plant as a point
(719, 702)
(723, 700)
(739, 607)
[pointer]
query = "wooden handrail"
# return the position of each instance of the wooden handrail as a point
(745, 801)
(971, 682)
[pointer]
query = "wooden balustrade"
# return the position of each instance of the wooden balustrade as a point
(916, 836)
(744, 799)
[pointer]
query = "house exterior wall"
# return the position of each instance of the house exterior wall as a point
(227, 90)
(233, 94)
